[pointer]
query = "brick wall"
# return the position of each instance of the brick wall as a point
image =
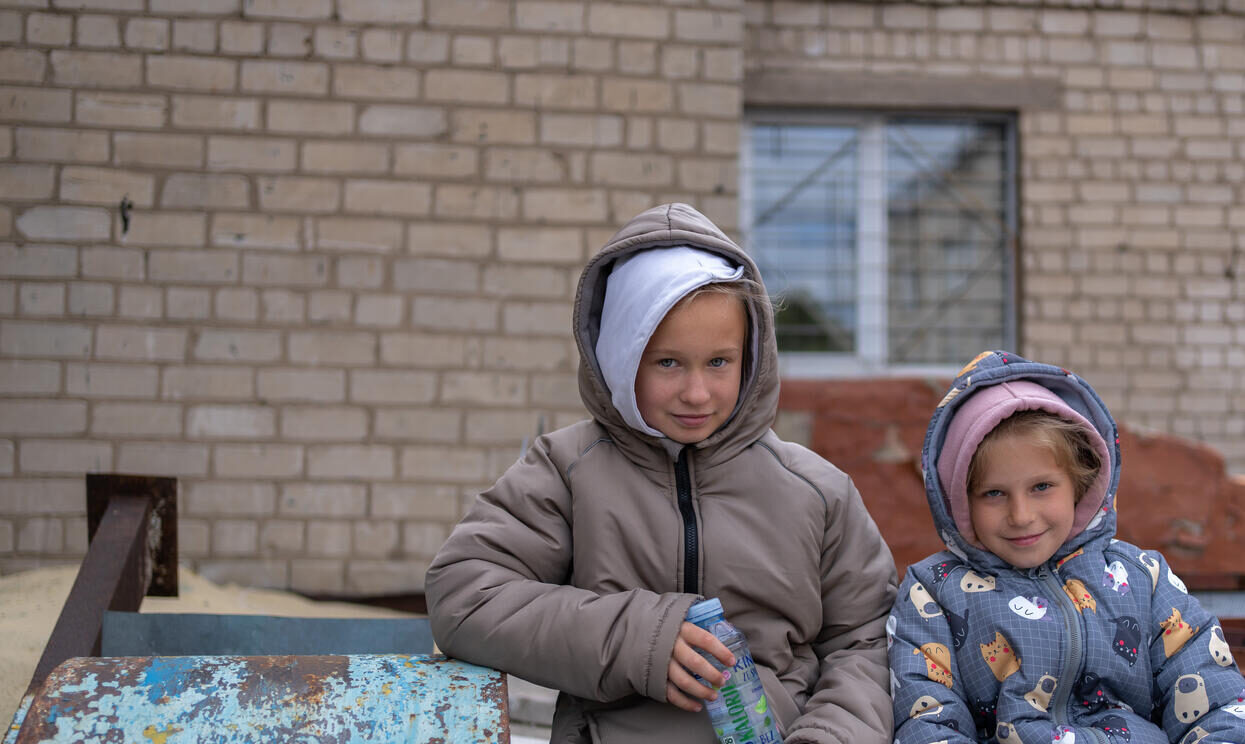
(337, 298)
(1132, 175)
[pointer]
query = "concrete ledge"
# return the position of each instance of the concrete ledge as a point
(846, 89)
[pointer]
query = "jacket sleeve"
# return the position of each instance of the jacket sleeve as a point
(929, 703)
(850, 701)
(1197, 683)
(497, 596)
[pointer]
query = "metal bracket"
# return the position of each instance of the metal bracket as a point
(161, 549)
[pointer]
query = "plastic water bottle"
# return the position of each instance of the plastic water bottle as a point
(741, 714)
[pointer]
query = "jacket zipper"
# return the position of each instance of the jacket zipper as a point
(1072, 663)
(691, 539)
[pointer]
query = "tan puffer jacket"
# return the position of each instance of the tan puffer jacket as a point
(577, 568)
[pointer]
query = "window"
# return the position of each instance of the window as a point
(888, 240)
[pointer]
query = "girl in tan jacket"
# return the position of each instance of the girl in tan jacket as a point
(577, 568)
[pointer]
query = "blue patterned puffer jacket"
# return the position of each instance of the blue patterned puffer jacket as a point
(1102, 643)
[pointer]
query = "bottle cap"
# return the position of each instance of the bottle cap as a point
(704, 610)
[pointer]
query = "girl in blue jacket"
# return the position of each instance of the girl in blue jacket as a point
(1036, 624)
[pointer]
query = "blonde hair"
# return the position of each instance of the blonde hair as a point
(1067, 441)
(748, 290)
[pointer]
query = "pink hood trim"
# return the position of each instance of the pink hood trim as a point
(978, 415)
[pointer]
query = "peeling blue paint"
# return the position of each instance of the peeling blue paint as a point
(320, 699)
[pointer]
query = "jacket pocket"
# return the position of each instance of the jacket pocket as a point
(781, 704)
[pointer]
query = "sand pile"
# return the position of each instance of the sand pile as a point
(31, 601)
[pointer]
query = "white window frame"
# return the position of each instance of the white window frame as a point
(870, 358)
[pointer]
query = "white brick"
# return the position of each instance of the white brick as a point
(384, 387)
(449, 239)
(34, 339)
(179, 72)
(296, 78)
(215, 113)
(32, 260)
(149, 34)
(24, 377)
(136, 419)
(291, 9)
(251, 154)
(336, 42)
(328, 538)
(438, 503)
(323, 423)
(444, 464)
(234, 537)
(450, 313)
(382, 44)
(40, 536)
(354, 234)
(41, 298)
(163, 150)
(111, 380)
(318, 385)
(75, 69)
(436, 275)
(257, 460)
(375, 82)
(282, 536)
(65, 223)
(405, 121)
(332, 156)
(422, 159)
(323, 500)
(207, 191)
(311, 118)
(238, 345)
(371, 578)
(332, 347)
(255, 231)
(45, 496)
(141, 302)
(388, 197)
(469, 14)
(375, 539)
(163, 458)
(61, 145)
(304, 271)
(233, 422)
(381, 11)
(428, 425)
(185, 303)
(196, 7)
(90, 298)
(106, 186)
(32, 104)
(427, 350)
(23, 416)
(351, 462)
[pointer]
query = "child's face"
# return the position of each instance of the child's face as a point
(688, 381)
(1025, 505)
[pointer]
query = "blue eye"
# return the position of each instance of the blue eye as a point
(1043, 487)
(667, 362)
(718, 362)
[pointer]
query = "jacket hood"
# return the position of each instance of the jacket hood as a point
(667, 226)
(992, 387)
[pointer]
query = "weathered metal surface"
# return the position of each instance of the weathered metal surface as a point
(301, 699)
(161, 553)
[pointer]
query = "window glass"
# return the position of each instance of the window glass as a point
(888, 240)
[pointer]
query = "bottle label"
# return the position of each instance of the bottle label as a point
(741, 714)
